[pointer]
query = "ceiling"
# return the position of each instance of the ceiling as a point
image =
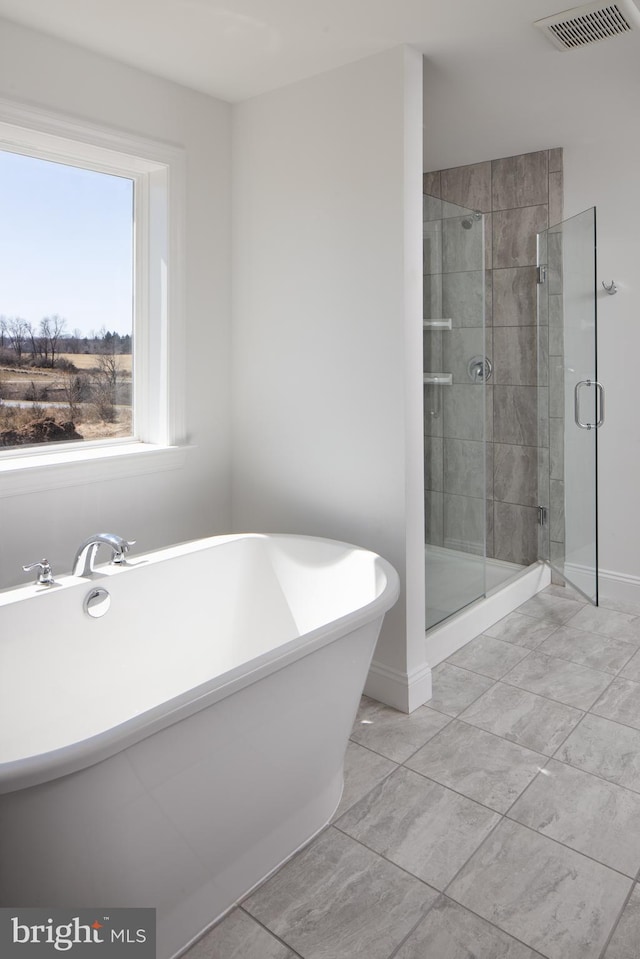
(234, 49)
(494, 83)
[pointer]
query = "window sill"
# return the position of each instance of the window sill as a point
(74, 467)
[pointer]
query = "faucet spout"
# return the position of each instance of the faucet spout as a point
(84, 561)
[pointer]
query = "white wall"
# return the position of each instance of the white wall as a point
(178, 504)
(327, 354)
(585, 101)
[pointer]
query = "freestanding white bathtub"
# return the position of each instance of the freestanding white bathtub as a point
(175, 751)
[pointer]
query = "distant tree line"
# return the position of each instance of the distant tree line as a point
(22, 342)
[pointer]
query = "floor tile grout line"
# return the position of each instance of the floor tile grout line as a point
(588, 772)
(394, 952)
(384, 858)
(578, 852)
(562, 702)
(616, 924)
(296, 955)
(457, 792)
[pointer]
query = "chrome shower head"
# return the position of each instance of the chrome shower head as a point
(467, 222)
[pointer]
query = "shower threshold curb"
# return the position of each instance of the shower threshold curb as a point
(446, 638)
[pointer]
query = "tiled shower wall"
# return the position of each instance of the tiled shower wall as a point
(520, 196)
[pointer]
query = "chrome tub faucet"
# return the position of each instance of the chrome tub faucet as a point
(84, 562)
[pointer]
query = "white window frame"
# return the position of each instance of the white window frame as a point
(159, 351)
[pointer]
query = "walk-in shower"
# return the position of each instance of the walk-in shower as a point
(457, 370)
(512, 403)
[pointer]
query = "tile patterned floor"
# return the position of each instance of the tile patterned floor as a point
(500, 821)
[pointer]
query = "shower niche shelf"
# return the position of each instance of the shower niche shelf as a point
(445, 324)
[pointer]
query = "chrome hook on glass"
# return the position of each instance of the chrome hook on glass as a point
(611, 288)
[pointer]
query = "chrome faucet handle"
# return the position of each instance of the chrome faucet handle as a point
(120, 556)
(45, 575)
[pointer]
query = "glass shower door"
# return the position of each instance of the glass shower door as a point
(455, 373)
(571, 410)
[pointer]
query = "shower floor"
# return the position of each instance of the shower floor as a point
(455, 579)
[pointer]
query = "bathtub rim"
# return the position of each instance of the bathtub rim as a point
(71, 758)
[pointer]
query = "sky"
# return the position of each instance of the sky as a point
(66, 245)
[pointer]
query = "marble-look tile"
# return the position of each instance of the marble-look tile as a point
(464, 411)
(556, 448)
(556, 510)
(520, 180)
(462, 249)
(464, 467)
(459, 346)
(558, 679)
(478, 764)
(514, 296)
(452, 932)
(549, 897)
(454, 689)
(434, 519)
(432, 247)
(542, 346)
(432, 296)
(556, 387)
(393, 734)
(522, 630)
(463, 298)
(468, 186)
(620, 702)
(464, 523)
(419, 825)
(523, 717)
(632, 668)
(431, 183)
(589, 649)
(432, 358)
(488, 656)
(337, 898)
(238, 936)
(608, 622)
(431, 207)
(620, 605)
(515, 413)
(605, 749)
(556, 327)
(564, 591)
(515, 474)
(553, 609)
(625, 939)
(555, 160)
(515, 356)
(515, 533)
(514, 235)
(586, 813)
(363, 769)
(434, 463)
(555, 275)
(556, 197)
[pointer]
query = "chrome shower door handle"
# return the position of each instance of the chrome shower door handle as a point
(576, 404)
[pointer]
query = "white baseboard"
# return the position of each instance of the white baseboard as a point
(447, 638)
(403, 691)
(614, 586)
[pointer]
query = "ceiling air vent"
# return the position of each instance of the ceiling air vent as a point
(588, 24)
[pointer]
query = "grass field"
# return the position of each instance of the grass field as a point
(87, 361)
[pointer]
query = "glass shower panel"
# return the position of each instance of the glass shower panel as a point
(455, 375)
(570, 410)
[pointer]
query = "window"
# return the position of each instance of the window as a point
(66, 303)
(91, 317)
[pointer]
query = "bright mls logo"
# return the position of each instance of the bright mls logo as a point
(80, 933)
